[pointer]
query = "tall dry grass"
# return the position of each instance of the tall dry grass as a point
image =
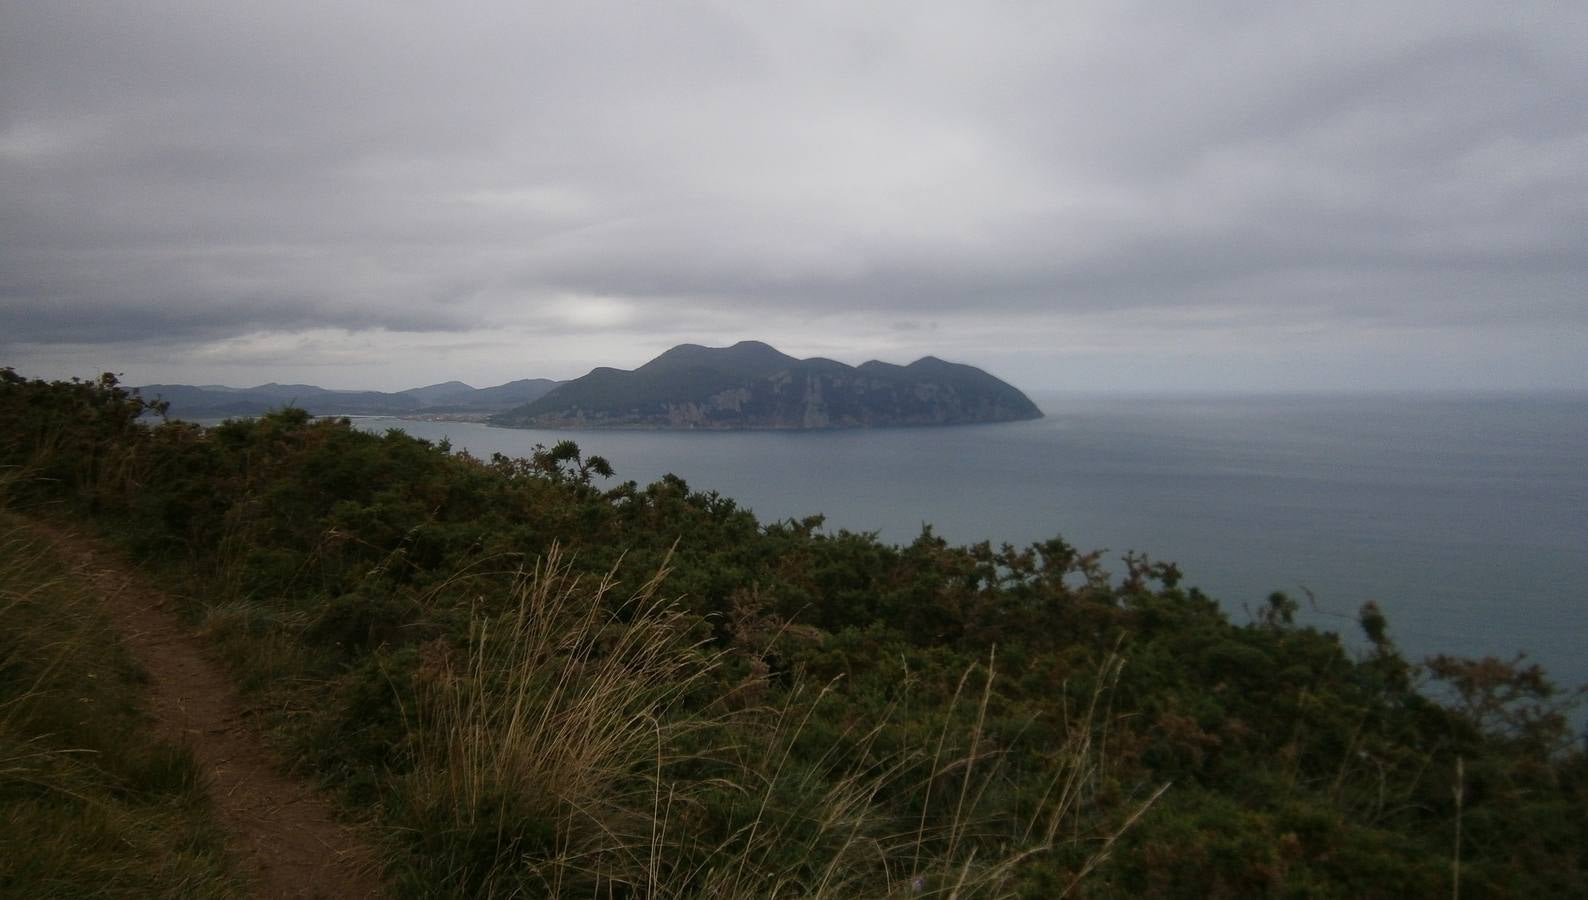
(834, 828)
(581, 745)
(544, 741)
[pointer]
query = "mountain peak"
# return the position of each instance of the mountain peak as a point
(760, 346)
(744, 358)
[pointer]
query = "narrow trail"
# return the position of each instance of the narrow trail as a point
(283, 833)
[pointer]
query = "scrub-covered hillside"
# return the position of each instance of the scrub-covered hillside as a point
(540, 681)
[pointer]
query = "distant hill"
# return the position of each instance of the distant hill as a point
(448, 398)
(752, 385)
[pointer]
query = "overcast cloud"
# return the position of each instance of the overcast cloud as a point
(1109, 195)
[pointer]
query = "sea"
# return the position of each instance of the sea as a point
(1463, 516)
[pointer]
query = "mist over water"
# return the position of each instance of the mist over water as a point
(1464, 516)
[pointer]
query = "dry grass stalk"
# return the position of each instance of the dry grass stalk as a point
(569, 710)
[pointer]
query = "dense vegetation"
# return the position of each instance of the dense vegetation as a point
(542, 685)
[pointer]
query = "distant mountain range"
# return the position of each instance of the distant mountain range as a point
(752, 385)
(451, 398)
(748, 385)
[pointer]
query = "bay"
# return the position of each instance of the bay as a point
(1465, 517)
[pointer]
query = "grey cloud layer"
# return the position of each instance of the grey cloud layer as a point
(197, 169)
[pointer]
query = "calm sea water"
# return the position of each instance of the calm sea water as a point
(1464, 517)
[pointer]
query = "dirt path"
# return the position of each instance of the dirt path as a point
(281, 831)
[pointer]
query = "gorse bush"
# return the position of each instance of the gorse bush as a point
(543, 685)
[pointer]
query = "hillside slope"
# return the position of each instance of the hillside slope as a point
(538, 683)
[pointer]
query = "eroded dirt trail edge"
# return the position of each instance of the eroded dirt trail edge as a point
(282, 832)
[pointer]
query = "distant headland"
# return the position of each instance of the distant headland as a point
(752, 385)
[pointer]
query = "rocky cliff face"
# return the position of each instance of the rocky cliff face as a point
(751, 385)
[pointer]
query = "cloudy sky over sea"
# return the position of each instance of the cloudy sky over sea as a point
(1144, 196)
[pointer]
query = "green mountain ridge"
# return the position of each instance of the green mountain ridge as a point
(752, 385)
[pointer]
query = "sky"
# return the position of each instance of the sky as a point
(1091, 196)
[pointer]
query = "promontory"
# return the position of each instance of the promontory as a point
(752, 385)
